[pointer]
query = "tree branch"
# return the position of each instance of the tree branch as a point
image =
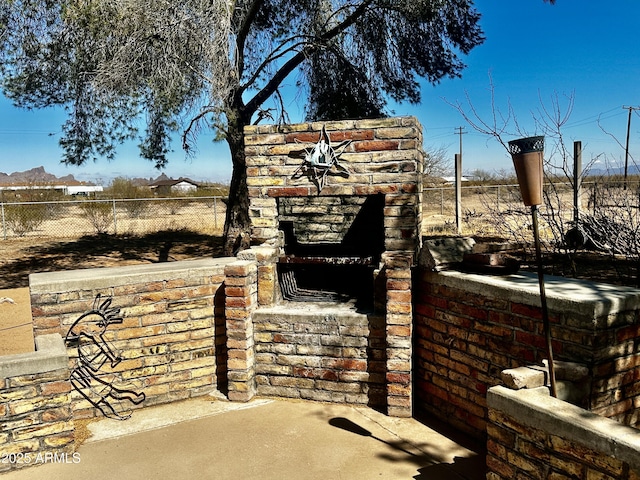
(243, 33)
(193, 123)
(271, 58)
(289, 66)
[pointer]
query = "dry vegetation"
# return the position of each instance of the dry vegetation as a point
(610, 219)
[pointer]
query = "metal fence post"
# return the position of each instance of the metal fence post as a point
(215, 213)
(4, 223)
(115, 220)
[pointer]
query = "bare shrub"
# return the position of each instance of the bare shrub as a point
(135, 208)
(173, 206)
(99, 215)
(23, 218)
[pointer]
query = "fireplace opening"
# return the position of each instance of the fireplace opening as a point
(332, 247)
(325, 282)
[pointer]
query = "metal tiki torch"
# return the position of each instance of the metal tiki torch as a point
(527, 154)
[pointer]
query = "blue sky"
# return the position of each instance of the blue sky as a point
(533, 51)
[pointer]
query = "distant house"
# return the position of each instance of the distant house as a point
(83, 190)
(164, 185)
(453, 179)
(76, 189)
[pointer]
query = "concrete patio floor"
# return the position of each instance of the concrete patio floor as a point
(209, 438)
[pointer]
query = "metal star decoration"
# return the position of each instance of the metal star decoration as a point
(320, 159)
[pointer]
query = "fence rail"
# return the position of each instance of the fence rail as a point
(75, 218)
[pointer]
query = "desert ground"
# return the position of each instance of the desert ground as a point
(16, 334)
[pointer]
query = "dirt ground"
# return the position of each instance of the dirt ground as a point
(16, 333)
(21, 257)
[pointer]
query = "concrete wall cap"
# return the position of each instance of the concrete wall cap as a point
(580, 297)
(262, 254)
(536, 408)
(523, 377)
(95, 278)
(50, 355)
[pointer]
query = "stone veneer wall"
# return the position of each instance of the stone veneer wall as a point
(468, 328)
(325, 354)
(36, 420)
(384, 157)
(533, 435)
(172, 340)
(320, 219)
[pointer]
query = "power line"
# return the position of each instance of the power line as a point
(593, 119)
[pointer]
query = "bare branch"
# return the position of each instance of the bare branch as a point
(193, 127)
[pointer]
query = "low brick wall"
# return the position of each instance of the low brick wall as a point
(320, 352)
(468, 328)
(172, 339)
(533, 435)
(36, 420)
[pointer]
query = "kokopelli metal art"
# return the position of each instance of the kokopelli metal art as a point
(93, 375)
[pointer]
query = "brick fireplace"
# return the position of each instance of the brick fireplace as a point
(335, 209)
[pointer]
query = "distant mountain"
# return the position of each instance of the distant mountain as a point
(603, 172)
(36, 175)
(39, 175)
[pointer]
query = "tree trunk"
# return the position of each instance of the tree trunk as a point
(237, 225)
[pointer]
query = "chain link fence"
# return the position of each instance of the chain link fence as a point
(481, 205)
(439, 206)
(75, 218)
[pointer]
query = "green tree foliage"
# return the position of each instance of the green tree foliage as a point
(220, 64)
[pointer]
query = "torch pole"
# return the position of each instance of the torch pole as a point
(543, 300)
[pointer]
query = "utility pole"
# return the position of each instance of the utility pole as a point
(460, 132)
(458, 160)
(626, 149)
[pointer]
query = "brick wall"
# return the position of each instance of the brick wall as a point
(532, 435)
(172, 338)
(241, 292)
(320, 219)
(470, 327)
(616, 368)
(36, 419)
(329, 354)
